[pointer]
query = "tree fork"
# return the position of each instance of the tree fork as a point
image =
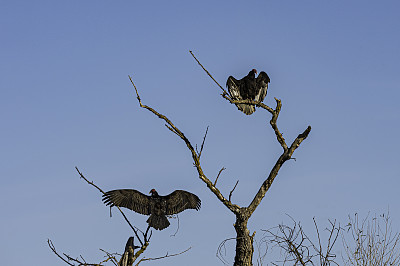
(244, 241)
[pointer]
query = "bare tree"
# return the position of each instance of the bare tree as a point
(244, 240)
(372, 241)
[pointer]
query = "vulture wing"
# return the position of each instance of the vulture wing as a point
(237, 89)
(234, 88)
(180, 200)
(129, 198)
(262, 85)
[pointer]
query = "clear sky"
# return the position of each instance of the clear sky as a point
(66, 101)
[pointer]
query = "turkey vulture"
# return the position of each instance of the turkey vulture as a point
(155, 205)
(128, 256)
(248, 88)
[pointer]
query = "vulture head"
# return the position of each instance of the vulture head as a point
(253, 73)
(153, 193)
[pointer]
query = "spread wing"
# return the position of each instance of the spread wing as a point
(180, 200)
(129, 198)
(262, 86)
(234, 88)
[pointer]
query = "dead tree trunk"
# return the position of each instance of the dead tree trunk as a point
(244, 241)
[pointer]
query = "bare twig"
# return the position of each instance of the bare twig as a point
(230, 193)
(202, 144)
(299, 248)
(319, 240)
(261, 254)
(145, 239)
(163, 257)
(222, 169)
(89, 182)
(208, 73)
(52, 247)
(220, 255)
(177, 229)
(371, 241)
(82, 261)
(123, 214)
(290, 239)
(110, 257)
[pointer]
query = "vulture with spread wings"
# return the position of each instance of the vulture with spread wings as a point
(248, 88)
(155, 205)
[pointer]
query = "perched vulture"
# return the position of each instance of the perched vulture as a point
(155, 205)
(129, 253)
(248, 88)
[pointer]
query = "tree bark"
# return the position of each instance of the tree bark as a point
(244, 241)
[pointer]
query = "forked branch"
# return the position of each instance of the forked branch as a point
(287, 152)
(286, 155)
(81, 261)
(244, 241)
(196, 159)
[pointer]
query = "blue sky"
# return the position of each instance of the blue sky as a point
(66, 101)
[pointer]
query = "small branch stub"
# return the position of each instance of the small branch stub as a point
(230, 193)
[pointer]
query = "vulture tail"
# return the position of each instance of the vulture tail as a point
(158, 222)
(246, 108)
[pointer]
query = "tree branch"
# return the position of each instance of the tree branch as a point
(208, 73)
(123, 214)
(233, 207)
(220, 171)
(163, 257)
(202, 144)
(286, 155)
(110, 257)
(287, 152)
(230, 193)
(52, 247)
(272, 122)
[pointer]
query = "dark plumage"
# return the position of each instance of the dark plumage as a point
(155, 205)
(248, 88)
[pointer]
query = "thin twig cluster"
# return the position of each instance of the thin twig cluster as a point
(299, 249)
(371, 241)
